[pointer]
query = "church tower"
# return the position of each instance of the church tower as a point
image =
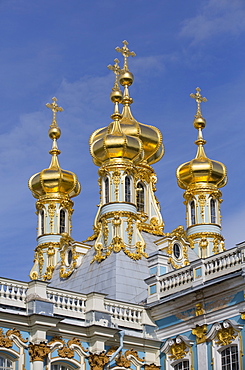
(202, 178)
(53, 188)
(124, 151)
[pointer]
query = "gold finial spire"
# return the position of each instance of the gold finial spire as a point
(126, 53)
(54, 133)
(199, 99)
(55, 108)
(116, 69)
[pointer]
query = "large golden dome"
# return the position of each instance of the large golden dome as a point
(134, 141)
(201, 170)
(54, 181)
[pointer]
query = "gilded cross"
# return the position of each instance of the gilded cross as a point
(199, 99)
(55, 108)
(126, 53)
(116, 69)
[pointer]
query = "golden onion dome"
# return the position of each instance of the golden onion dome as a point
(201, 170)
(54, 181)
(111, 143)
(150, 137)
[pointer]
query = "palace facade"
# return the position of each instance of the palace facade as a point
(131, 296)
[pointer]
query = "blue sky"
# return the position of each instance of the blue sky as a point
(62, 48)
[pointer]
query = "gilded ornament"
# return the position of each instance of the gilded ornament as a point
(66, 352)
(199, 310)
(215, 249)
(203, 243)
(202, 201)
(200, 333)
(4, 340)
(116, 180)
(38, 352)
(105, 229)
(178, 351)
(55, 339)
(151, 367)
(126, 53)
(133, 353)
(33, 275)
(129, 229)
(225, 336)
(155, 227)
(111, 350)
(98, 361)
(77, 342)
(117, 244)
(122, 361)
(51, 212)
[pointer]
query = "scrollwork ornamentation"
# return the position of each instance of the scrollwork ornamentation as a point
(152, 367)
(4, 340)
(122, 361)
(38, 352)
(98, 361)
(66, 352)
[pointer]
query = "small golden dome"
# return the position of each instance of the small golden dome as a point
(53, 180)
(201, 170)
(111, 143)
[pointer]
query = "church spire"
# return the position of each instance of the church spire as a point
(202, 178)
(54, 188)
(122, 150)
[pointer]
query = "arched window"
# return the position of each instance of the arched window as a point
(213, 211)
(193, 212)
(229, 358)
(106, 190)
(127, 189)
(62, 221)
(41, 218)
(183, 365)
(5, 364)
(59, 367)
(140, 197)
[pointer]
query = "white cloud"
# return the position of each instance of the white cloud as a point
(214, 18)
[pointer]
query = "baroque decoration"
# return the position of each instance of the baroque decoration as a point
(38, 352)
(6, 340)
(200, 333)
(122, 150)
(98, 361)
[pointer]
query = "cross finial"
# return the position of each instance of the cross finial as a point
(55, 108)
(126, 53)
(199, 99)
(116, 69)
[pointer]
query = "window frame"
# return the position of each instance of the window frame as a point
(192, 207)
(140, 197)
(181, 362)
(213, 211)
(63, 221)
(106, 191)
(7, 357)
(41, 223)
(127, 189)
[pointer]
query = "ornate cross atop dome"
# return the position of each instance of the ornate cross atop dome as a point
(199, 99)
(55, 108)
(126, 53)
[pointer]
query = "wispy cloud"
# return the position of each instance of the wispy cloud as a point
(214, 18)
